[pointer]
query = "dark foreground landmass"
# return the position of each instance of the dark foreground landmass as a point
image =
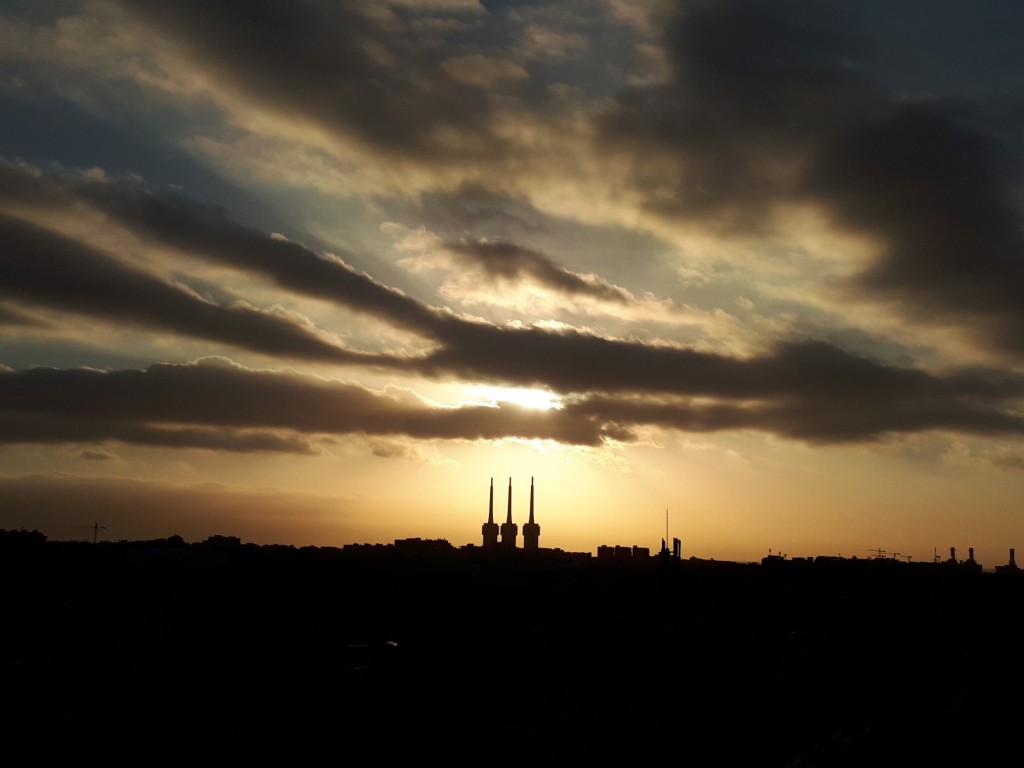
(164, 653)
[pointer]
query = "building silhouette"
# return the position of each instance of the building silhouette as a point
(970, 565)
(531, 531)
(509, 530)
(490, 528)
(1010, 567)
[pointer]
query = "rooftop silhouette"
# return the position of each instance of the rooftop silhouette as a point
(385, 654)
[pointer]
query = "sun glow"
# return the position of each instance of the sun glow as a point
(540, 399)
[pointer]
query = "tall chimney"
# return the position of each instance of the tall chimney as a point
(1013, 561)
(490, 528)
(509, 530)
(531, 531)
(508, 519)
(531, 500)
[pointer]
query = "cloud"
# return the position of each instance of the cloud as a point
(507, 261)
(935, 192)
(215, 405)
(570, 361)
(346, 68)
(778, 390)
(483, 71)
(42, 267)
(11, 316)
(767, 109)
(207, 232)
(541, 41)
(819, 421)
(43, 427)
(96, 454)
(422, 453)
(1011, 461)
(446, 6)
(753, 94)
(812, 392)
(223, 406)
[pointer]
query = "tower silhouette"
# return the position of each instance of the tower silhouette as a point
(490, 528)
(531, 531)
(508, 528)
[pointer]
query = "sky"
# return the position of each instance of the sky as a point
(314, 272)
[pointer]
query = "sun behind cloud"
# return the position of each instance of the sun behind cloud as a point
(540, 399)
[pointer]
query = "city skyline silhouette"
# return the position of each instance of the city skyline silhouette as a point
(223, 650)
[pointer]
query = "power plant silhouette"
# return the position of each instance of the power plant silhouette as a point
(509, 530)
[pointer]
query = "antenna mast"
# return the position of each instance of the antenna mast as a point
(96, 528)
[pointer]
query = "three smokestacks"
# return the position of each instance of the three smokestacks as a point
(509, 531)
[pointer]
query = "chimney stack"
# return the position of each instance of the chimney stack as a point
(531, 531)
(509, 530)
(490, 528)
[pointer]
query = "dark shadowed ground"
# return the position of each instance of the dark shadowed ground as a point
(166, 653)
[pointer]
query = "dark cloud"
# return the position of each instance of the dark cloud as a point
(936, 193)
(219, 405)
(472, 208)
(506, 261)
(62, 427)
(754, 91)
(43, 267)
(386, 450)
(815, 393)
(762, 65)
(338, 65)
(94, 454)
(207, 231)
(767, 102)
(575, 362)
(1012, 462)
(765, 106)
(809, 390)
(813, 420)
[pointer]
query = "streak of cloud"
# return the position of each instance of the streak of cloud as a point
(339, 66)
(225, 406)
(40, 266)
(206, 231)
(508, 261)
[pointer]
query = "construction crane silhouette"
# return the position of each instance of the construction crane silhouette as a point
(96, 528)
(881, 554)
